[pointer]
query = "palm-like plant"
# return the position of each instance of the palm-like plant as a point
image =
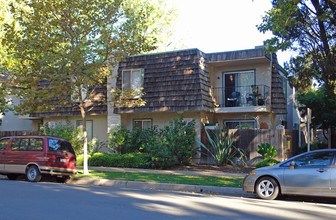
(221, 146)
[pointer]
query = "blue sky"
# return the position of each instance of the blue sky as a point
(222, 25)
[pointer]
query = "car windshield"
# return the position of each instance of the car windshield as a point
(60, 146)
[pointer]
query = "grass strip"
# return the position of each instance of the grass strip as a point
(165, 178)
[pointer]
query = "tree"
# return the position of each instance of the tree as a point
(67, 48)
(306, 26)
(323, 107)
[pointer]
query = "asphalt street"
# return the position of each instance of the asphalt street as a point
(25, 200)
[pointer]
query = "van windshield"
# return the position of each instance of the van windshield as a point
(57, 145)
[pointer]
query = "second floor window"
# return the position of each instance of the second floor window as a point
(132, 79)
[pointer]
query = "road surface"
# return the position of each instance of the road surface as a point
(25, 200)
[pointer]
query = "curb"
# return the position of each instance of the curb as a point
(158, 186)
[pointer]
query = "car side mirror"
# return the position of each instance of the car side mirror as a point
(292, 165)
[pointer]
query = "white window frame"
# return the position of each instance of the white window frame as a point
(238, 86)
(142, 120)
(132, 85)
(240, 122)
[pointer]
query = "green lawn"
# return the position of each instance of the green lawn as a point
(165, 178)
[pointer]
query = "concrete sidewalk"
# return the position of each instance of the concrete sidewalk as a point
(162, 186)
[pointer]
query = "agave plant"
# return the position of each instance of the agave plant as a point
(221, 147)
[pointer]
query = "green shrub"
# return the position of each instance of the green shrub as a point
(80, 159)
(95, 146)
(221, 147)
(131, 160)
(267, 162)
(267, 151)
(118, 140)
(171, 145)
(67, 132)
(179, 138)
(313, 146)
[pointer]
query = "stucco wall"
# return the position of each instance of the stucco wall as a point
(99, 124)
(12, 122)
(262, 70)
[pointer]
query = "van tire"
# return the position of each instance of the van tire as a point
(33, 174)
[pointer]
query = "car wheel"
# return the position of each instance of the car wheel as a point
(267, 188)
(33, 174)
(12, 176)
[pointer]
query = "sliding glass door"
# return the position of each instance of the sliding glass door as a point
(237, 86)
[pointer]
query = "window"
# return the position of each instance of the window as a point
(27, 144)
(60, 146)
(239, 82)
(36, 144)
(84, 92)
(239, 124)
(89, 128)
(133, 80)
(312, 159)
(3, 144)
(142, 123)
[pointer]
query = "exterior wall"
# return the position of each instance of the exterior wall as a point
(11, 122)
(262, 70)
(99, 124)
(262, 117)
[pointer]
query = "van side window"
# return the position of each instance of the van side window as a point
(24, 144)
(36, 144)
(27, 144)
(15, 144)
(60, 146)
(3, 144)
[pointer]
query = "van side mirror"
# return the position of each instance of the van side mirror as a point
(292, 165)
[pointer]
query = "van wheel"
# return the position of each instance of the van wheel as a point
(33, 174)
(12, 176)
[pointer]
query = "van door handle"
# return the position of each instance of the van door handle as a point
(3, 153)
(322, 170)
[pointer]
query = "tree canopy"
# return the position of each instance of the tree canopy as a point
(323, 107)
(65, 49)
(306, 26)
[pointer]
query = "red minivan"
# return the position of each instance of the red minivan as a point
(35, 156)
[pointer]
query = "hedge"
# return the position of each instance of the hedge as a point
(131, 160)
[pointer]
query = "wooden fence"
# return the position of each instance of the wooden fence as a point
(285, 142)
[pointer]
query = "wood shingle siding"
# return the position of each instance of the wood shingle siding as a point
(173, 81)
(237, 55)
(278, 100)
(100, 108)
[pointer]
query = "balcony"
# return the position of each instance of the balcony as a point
(255, 98)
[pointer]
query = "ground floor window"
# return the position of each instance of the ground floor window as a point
(239, 124)
(89, 127)
(142, 123)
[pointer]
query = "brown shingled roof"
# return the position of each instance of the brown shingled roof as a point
(173, 81)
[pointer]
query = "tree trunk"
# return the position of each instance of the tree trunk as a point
(85, 162)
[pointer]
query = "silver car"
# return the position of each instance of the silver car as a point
(310, 174)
